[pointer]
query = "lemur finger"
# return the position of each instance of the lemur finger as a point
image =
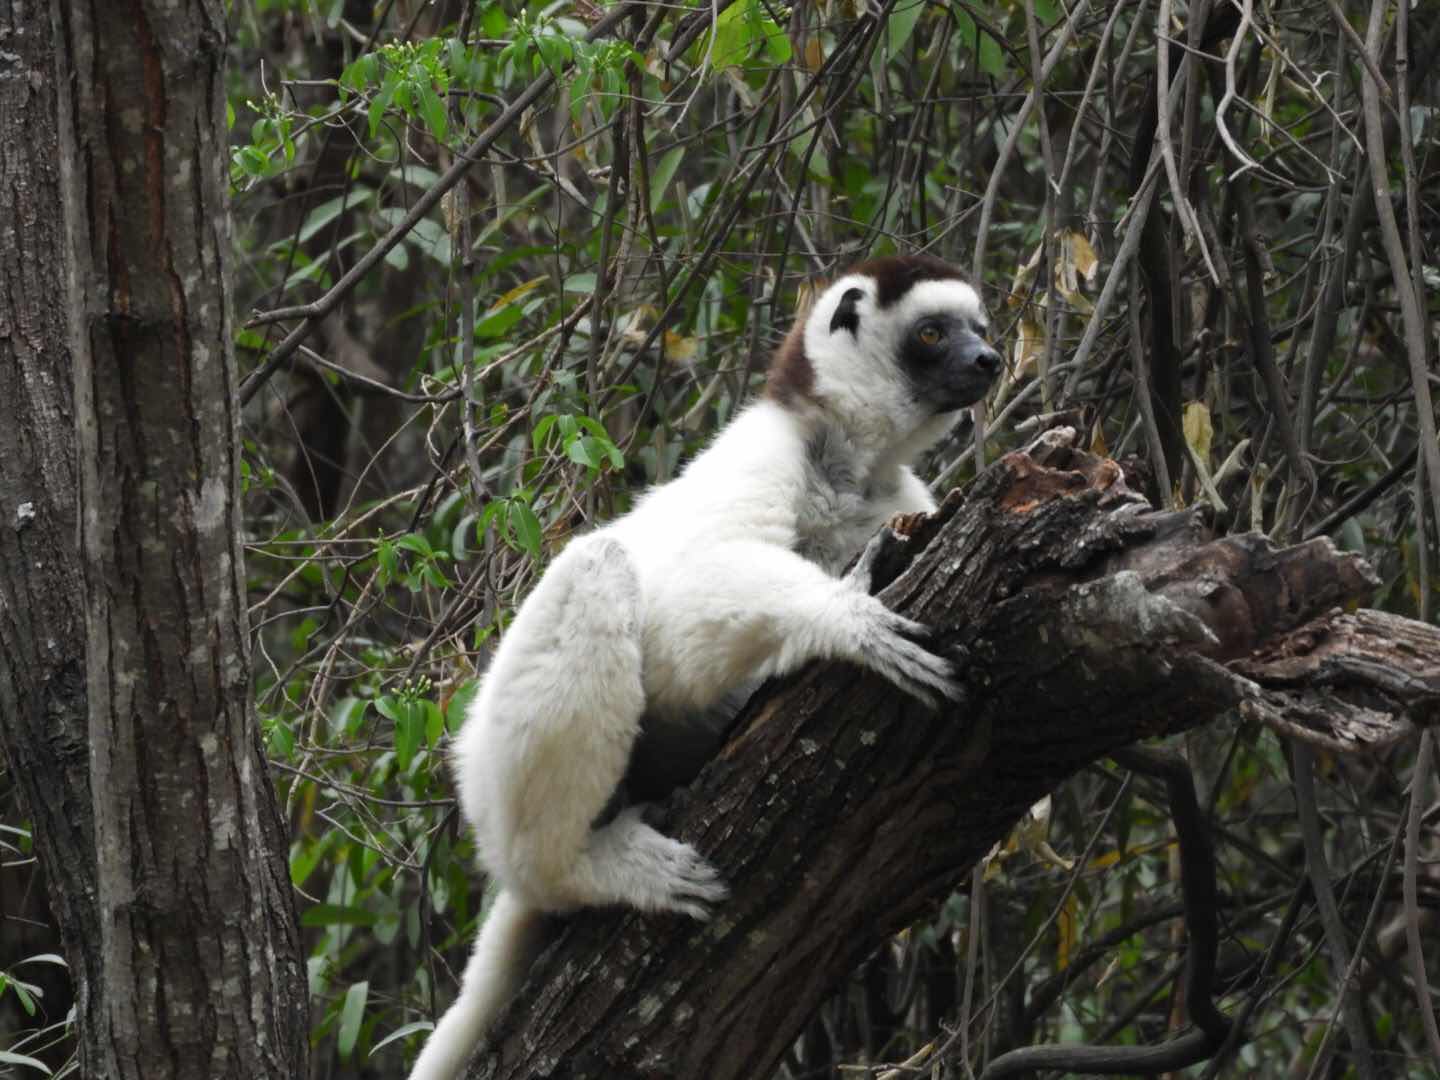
(698, 899)
(694, 879)
(698, 912)
(910, 662)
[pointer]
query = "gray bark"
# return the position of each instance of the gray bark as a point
(43, 711)
(153, 805)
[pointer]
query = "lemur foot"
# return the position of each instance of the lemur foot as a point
(666, 874)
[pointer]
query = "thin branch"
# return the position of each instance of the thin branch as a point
(1188, 221)
(1336, 939)
(1415, 951)
(1411, 315)
(1197, 887)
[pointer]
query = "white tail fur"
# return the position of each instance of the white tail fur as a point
(508, 942)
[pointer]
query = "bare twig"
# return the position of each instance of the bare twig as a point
(1411, 316)
(1336, 939)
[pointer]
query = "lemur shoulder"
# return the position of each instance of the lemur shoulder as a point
(625, 662)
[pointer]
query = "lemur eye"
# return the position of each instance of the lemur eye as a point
(930, 334)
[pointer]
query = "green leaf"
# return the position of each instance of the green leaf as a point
(457, 57)
(381, 101)
(360, 73)
(495, 22)
(434, 722)
(984, 48)
(542, 429)
(44, 958)
(581, 78)
(307, 857)
(329, 210)
(433, 109)
(401, 1032)
(777, 43)
(498, 324)
(415, 175)
(583, 451)
(527, 527)
(663, 173)
(249, 339)
(351, 1015)
(992, 58)
(397, 258)
(431, 238)
(252, 161)
(734, 34)
(409, 728)
(345, 716)
(416, 543)
(336, 915)
(459, 704)
(281, 743)
(300, 636)
(26, 993)
(389, 561)
(901, 25)
(9, 1057)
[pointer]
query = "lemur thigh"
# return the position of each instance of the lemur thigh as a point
(548, 741)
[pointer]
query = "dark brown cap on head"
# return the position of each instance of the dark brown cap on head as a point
(895, 275)
(791, 374)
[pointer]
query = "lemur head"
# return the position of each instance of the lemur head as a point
(897, 341)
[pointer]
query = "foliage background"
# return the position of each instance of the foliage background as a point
(601, 291)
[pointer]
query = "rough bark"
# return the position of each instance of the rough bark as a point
(43, 717)
(840, 811)
(199, 971)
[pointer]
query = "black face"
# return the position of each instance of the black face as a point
(948, 361)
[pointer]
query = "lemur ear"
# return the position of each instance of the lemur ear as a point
(847, 313)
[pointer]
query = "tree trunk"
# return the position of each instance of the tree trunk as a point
(841, 811)
(43, 716)
(169, 864)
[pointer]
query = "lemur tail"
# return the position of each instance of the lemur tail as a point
(507, 944)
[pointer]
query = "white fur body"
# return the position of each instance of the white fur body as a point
(722, 577)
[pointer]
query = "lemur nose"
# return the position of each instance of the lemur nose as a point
(987, 360)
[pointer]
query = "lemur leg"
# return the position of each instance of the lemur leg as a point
(548, 741)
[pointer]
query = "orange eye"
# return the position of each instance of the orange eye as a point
(930, 335)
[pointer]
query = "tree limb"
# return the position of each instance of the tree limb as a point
(841, 811)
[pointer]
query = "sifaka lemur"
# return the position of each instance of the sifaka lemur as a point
(626, 660)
